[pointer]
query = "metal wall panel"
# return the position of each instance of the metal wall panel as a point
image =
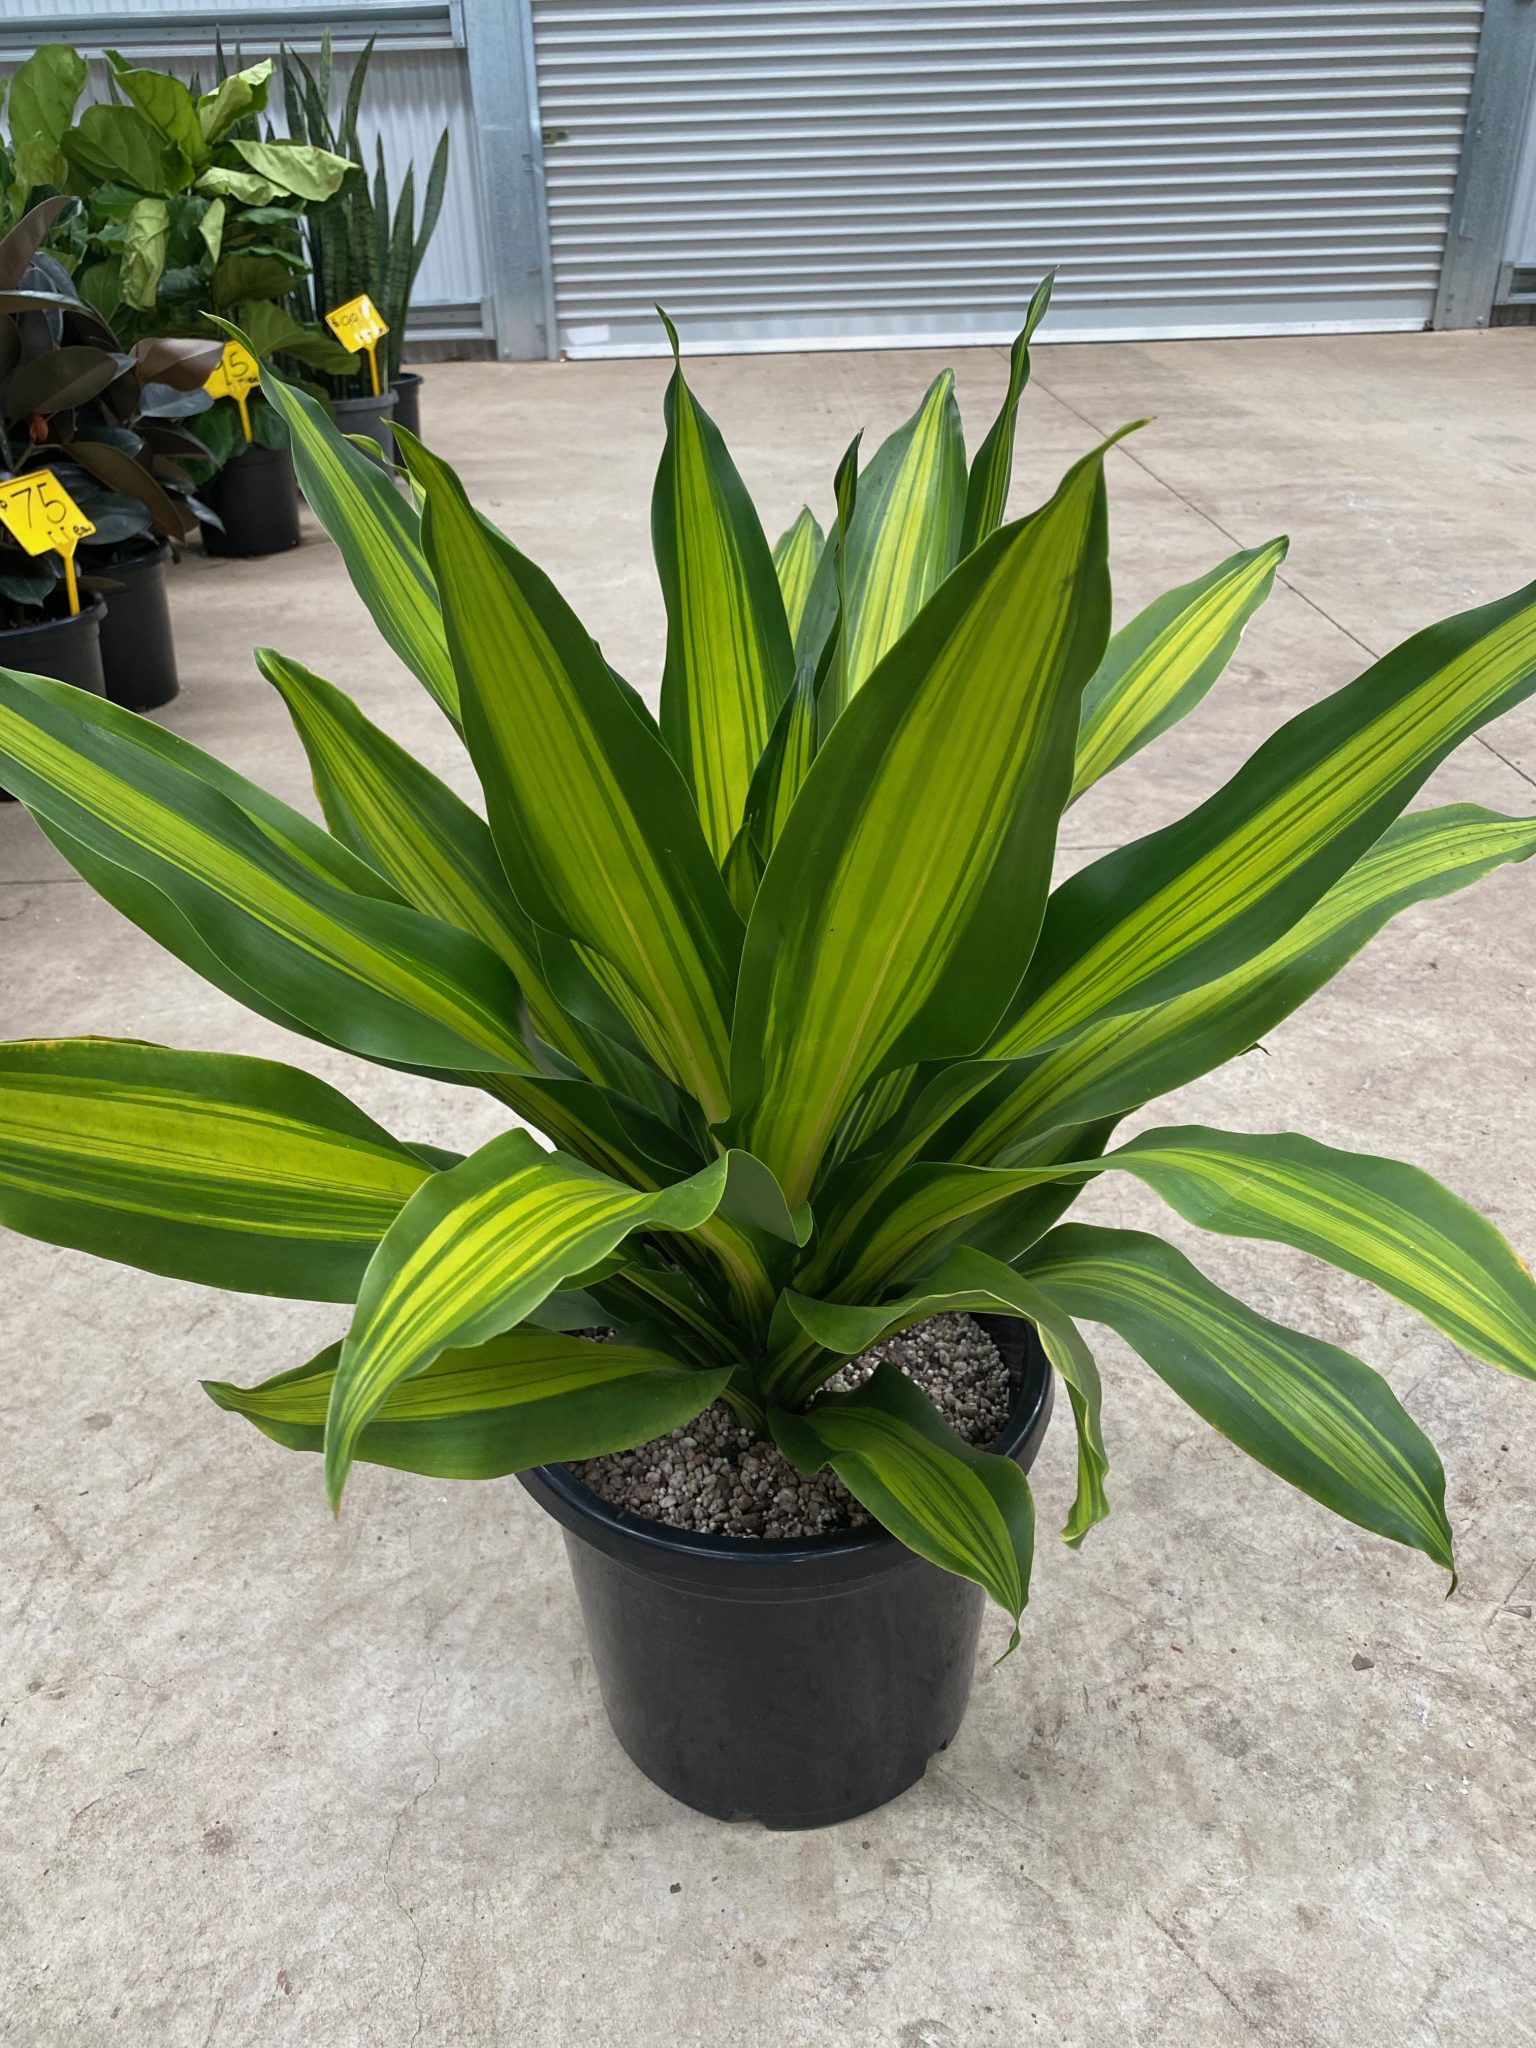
(418, 84)
(1520, 249)
(785, 173)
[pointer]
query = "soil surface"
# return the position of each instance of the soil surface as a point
(718, 1478)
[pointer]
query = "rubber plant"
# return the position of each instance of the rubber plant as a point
(806, 1071)
(357, 241)
(189, 208)
(107, 422)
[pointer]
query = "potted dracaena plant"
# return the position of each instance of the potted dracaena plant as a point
(106, 423)
(812, 1071)
(357, 242)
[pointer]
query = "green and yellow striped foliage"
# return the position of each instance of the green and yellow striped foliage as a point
(796, 1041)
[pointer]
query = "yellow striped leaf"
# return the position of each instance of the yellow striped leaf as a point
(905, 535)
(1303, 1408)
(530, 1397)
(729, 656)
(1114, 1066)
(591, 817)
(383, 805)
(795, 555)
(815, 1337)
(273, 901)
(897, 910)
(1201, 896)
(986, 496)
(1391, 1224)
(234, 1172)
(473, 1253)
(1159, 666)
(965, 1510)
(376, 529)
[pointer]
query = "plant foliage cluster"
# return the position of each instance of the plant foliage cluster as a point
(191, 205)
(781, 976)
(108, 422)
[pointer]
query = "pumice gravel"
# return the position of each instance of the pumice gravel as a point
(719, 1479)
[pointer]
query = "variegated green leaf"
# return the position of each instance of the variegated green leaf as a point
(795, 555)
(377, 530)
(592, 819)
(1202, 896)
(473, 1253)
(986, 495)
(387, 808)
(965, 1510)
(1159, 666)
(1392, 1224)
(530, 1397)
(785, 764)
(873, 941)
(1114, 1066)
(903, 540)
(905, 535)
(1308, 1411)
(729, 657)
(288, 911)
(204, 1166)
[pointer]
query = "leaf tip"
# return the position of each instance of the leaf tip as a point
(664, 317)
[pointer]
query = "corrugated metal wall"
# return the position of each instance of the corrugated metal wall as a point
(418, 84)
(791, 172)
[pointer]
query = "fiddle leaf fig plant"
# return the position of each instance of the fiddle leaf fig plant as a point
(815, 1048)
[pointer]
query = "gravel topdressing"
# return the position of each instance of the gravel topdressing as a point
(717, 1478)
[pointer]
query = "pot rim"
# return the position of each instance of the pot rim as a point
(159, 553)
(637, 1538)
(407, 377)
(93, 607)
(366, 401)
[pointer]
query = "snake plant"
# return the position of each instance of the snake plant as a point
(357, 241)
(815, 1048)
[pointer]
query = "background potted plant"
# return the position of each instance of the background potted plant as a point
(190, 207)
(357, 243)
(819, 1051)
(107, 423)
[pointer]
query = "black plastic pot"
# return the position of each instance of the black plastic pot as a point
(69, 650)
(407, 390)
(138, 654)
(368, 415)
(794, 1683)
(257, 496)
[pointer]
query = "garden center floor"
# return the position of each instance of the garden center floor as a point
(1251, 1777)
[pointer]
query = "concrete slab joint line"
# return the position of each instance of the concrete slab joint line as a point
(268, 1781)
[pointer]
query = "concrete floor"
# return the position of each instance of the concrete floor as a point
(1251, 1777)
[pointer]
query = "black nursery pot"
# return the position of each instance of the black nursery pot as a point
(69, 650)
(138, 654)
(407, 390)
(795, 1682)
(367, 415)
(257, 496)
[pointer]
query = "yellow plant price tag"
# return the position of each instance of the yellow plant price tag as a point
(236, 375)
(37, 511)
(360, 325)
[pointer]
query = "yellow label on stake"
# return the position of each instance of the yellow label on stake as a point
(236, 375)
(359, 325)
(37, 511)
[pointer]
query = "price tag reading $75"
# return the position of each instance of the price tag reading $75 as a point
(359, 325)
(37, 511)
(236, 375)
